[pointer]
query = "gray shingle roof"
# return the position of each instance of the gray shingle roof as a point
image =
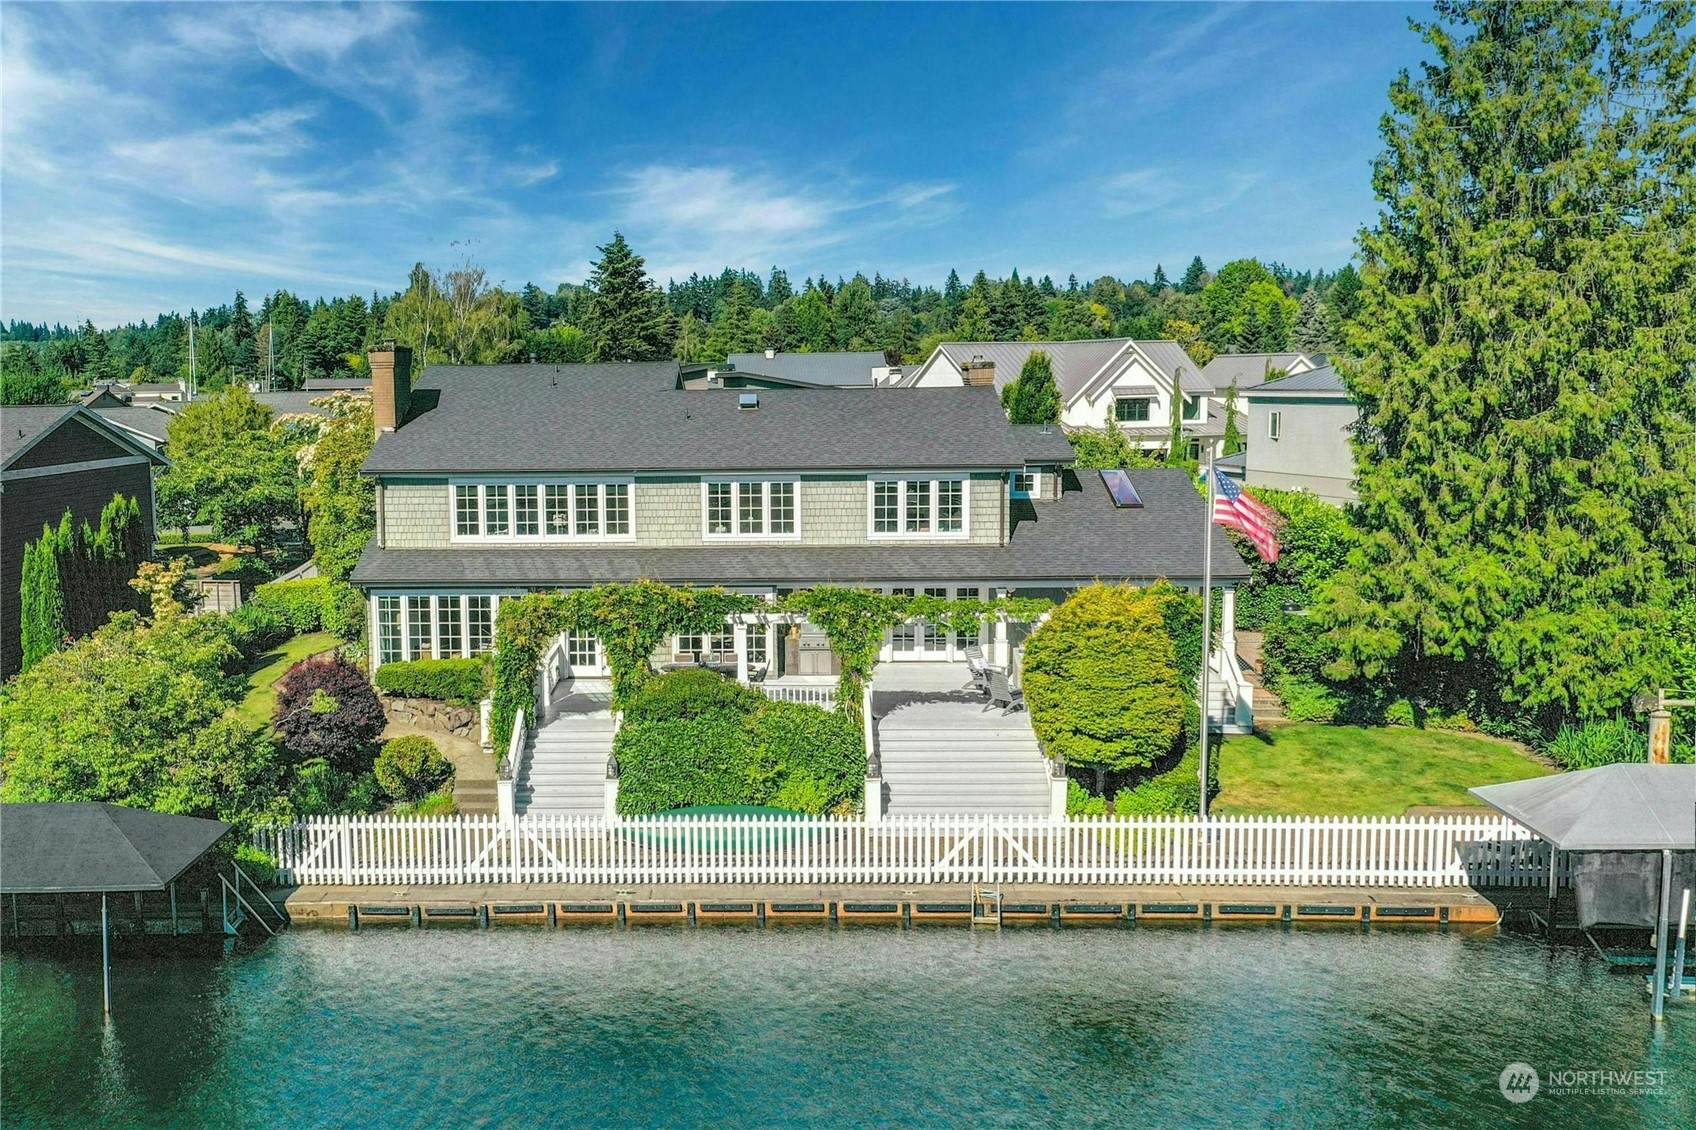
(148, 421)
(83, 846)
(1081, 537)
(631, 417)
(1247, 369)
(20, 424)
(834, 369)
(1043, 443)
(1324, 379)
(293, 403)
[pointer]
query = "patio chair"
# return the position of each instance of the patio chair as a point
(1002, 693)
(979, 670)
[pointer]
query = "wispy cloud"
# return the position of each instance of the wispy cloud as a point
(1171, 192)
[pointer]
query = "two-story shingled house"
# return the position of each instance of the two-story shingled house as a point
(495, 480)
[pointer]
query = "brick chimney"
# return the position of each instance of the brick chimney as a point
(977, 371)
(391, 385)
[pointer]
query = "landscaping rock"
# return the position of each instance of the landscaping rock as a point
(432, 714)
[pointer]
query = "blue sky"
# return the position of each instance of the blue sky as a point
(157, 158)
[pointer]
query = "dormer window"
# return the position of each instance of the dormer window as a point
(749, 508)
(917, 507)
(541, 511)
(1025, 484)
(1131, 410)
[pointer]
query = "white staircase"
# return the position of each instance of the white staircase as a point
(957, 757)
(565, 765)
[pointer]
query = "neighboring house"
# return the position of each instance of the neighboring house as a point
(1132, 380)
(1298, 435)
(502, 479)
(52, 459)
(300, 403)
(147, 425)
(103, 396)
(321, 385)
(145, 393)
(773, 369)
(1249, 369)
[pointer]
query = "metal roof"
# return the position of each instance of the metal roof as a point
(625, 418)
(1077, 539)
(88, 847)
(1626, 807)
(1324, 379)
(1074, 363)
(833, 369)
(1248, 369)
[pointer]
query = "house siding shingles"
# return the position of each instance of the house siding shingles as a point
(415, 515)
(668, 511)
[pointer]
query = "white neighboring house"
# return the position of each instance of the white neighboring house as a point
(1298, 435)
(1134, 380)
(1247, 370)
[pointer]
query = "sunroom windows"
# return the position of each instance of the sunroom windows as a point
(541, 511)
(434, 627)
(749, 508)
(917, 507)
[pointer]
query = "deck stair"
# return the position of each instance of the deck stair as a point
(950, 756)
(565, 765)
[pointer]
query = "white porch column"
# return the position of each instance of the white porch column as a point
(1228, 624)
(739, 634)
(1000, 653)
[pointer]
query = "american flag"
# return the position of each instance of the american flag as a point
(1246, 514)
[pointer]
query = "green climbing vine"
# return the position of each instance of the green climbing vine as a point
(632, 620)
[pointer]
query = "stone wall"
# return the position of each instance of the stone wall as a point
(432, 714)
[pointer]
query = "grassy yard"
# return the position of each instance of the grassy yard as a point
(1360, 771)
(261, 701)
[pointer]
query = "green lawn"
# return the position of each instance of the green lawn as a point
(1360, 771)
(261, 701)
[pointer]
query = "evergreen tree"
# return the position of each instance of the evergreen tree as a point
(1525, 349)
(1160, 281)
(1342, 296)
(1195, 277)
(1233, 438)
(856, 316)
(733, 329)
(1313, 324)
(778, 290)
(535, 301)
(243, 340)
(1034, 397)
(1175, 436)
(628, 319)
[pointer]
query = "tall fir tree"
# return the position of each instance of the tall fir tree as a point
(1525, 346)
(628, 319)
(1195, 277)
(1034, 397)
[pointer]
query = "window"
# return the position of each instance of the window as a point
(450, 628)
(1131, 410)
(967, 636)
(886, 507)
(718, 508)
(1192, 450)
(934, 637)
(495, 511)
(1274, 420)
(905, 636)
(618, 509)
(527, 523)
(1024, 484)
(388, 629)
(480, 616)
(950, 506)
(559, 511)
(465, 508)
(587, 502)
(582, 650)
(688, 644)
(750, 508)
(757, 654)
(419, 644)
(1192, 407)
(782, 512)
(537, 511)
(918, 506)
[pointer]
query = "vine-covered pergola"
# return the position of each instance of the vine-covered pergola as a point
(632, 620)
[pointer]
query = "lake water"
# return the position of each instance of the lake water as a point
(811, 1027)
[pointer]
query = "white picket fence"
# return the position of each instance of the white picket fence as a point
(1438, 851)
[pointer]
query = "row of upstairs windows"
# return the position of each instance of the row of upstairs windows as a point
(917, 507)
(750, 508)
(541, 511)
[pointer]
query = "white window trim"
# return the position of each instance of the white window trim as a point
(736, 482)
(1149, 401)
(1274, 424)
(932, 477)
(1036, 485)
(541, 484)
(433, 601)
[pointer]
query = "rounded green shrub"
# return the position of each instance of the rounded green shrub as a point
(1102, 680)
(816, 759)
(299, 603)
(462, 681)
(411, 767)
(256, 628)
(692, 692)
(1176, 792)
(684, 762)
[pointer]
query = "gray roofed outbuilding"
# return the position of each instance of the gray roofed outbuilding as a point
(86, 847)
(1078, 538)
(626, 418)
(838, 370)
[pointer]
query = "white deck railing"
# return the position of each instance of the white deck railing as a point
(1437, 851)
(813, 694)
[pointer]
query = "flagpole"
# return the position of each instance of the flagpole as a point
(1206, 618)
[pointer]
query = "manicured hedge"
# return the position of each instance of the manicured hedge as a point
(314, 604)
(410, 768)
(781, 754)
(690, 693)
(462, 681)
(1177, 791)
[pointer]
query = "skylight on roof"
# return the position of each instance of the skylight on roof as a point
(1118, 485)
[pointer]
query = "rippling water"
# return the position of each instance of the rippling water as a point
(812, 1027)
